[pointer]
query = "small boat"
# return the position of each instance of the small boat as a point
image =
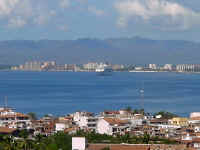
(104, 70)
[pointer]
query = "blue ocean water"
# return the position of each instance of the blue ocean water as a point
(59, 93)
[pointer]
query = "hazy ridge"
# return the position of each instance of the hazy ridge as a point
(134, 50)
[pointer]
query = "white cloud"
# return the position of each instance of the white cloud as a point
(16, 22)
(64, 3)
(18, 13)
(63, 28)
(52, 13)
(96, 11)
(41, 19)
(163, 13)
(7, 6)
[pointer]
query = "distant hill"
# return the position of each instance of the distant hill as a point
(134, 50)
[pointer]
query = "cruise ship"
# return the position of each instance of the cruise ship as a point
(104, 69)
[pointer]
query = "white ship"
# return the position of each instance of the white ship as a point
(104, 69)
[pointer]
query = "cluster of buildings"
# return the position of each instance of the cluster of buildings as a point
(10, 118)
(45, 66)
(186, 131)
(80, 143)
(53, 66)
(93, 66)
(168, 68)
(188, 68)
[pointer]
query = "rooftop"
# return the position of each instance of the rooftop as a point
(114, 121)
(7, 130)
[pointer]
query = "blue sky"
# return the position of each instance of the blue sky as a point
(73, 19)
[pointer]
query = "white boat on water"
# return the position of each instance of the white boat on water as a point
(104, 69)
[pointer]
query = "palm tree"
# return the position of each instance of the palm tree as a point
(8, 142)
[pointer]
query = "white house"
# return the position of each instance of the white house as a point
(8, 117)
(194, 122)
(88, 122)
(112, 126)
(194, 114)
(61, 126)
(85, 120)
(136, 122)
(77, 115)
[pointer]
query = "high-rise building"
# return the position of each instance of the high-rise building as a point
(33, 66)
(91, 66)
(153, 66)
(168, 67)
(188, 67)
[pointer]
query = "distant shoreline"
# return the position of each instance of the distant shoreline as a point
(131, 71)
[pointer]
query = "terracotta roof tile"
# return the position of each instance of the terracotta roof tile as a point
(70, 129)
(137, 147)
(195, 118)
(115, 121)
(111, 112)
(13, 115)
(196, 140)
(7, 130)
(117, 147)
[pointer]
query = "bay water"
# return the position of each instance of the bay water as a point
(60, 93)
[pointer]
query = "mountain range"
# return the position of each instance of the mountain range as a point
(135, 50)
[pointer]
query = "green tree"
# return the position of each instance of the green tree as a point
(135, 111)
(32, 115)
(146, 138)
(8, 143)
(141, 111)
(23, 133)
(166, 115)
(129, 109)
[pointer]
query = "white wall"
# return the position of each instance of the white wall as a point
(78, 143)
(83, 121)
(135, 122)
(77, 116)
(103, 127)
(60, 126)
(194, 114)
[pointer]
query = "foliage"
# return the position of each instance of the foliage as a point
(129, 109)
(146, 138)
(32, 115)
(23, 134)
(118, 139)
(62, 141)
(166, 115)
(139, 111)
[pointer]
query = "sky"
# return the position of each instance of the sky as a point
(74, 19)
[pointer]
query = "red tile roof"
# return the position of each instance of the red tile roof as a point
(115, 121)
(13, 115)
(7, 130)
(111, 112)
(117, 147)
(137, 147)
